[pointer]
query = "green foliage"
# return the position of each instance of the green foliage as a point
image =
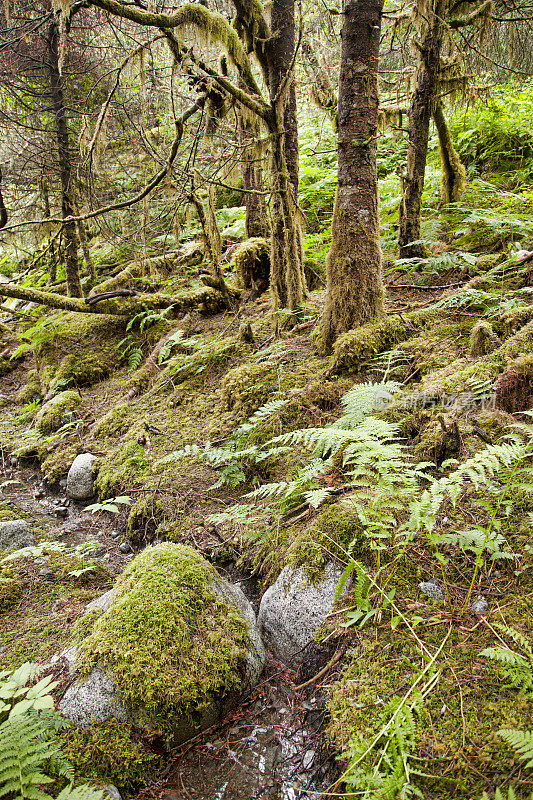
(30, 750)
(111, 505)
(385, 765)
(110, 752)
(522, 742)
(178, 339)
(499, 130)
(515, 668)
(130, 352)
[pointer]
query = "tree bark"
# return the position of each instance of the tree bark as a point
(65, 165)
(287, 279)
(354, 283)
(420, 112)
(257, 222)
(453, 171)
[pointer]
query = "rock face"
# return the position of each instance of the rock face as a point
(80, 478)
(173, 647)
(15, 534)
(293, 609)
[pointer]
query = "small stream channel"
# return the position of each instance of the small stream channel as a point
(271, 747)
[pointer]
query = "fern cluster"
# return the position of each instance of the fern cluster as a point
(30, 752)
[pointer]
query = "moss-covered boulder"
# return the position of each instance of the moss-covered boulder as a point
(169, 650)
(55, 412)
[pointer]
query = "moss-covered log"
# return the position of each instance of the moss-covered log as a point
(210, 300)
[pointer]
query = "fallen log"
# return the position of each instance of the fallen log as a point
(210, 299)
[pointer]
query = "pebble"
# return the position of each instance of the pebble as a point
(125, 548)
(430, 589)
(308, 759)
(480, 607)
(115, 535)
(61, 511)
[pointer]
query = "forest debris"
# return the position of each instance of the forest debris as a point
(483, 340)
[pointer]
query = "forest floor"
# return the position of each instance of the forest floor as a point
(398, 687)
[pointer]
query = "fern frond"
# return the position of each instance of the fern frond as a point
(522, 742)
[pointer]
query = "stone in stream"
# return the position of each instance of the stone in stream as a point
(80, 478)
(293, 609)
(15, 534)
(171, 650)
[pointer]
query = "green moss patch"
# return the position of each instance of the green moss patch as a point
(170, 641)
(55, 412)
(110, 752)
(457, 752)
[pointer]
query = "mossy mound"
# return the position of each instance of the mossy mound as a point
(110, 752)
(54, 413)
(247, 387)
(170, 641)
(457, 751)
(10, 593)
(78, 350)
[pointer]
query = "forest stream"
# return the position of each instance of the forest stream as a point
(271, 747)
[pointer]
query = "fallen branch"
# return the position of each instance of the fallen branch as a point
(209, 298)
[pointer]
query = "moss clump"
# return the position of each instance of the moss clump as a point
(31, 390)
(247, 387)
(146, 516)
(354, 348)
(110, 752)
(458, 722)
(251, 262)
(123, 466)
(54, 413)
(116, 422)
(483, 340)
(79, 349)
(10, 593)
(170, 641)
(337, 531)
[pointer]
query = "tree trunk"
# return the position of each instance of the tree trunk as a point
(453, 171)
(287, 279)
(52, 260)
(420, 112)
(257, 222)
(64, 160)
(354, 283)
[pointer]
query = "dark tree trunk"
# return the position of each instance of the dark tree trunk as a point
(280, 56)
(453, 171)
(257, 222)
(52, 260)
(420, 112)
(354, 284)
(287, 279)
(65, 164)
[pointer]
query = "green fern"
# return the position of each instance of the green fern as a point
(517, 668)
(30, 751)
(499, 796)
(522, 742)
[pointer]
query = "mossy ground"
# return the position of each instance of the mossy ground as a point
(38, 622)
(134, 419)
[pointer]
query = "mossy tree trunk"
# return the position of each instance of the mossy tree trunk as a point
(420, 113)
(453, 171)
(287, 279)
(57, 98)
(354, 283)
(257, 222)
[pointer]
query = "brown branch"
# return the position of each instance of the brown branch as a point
(156, 180)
